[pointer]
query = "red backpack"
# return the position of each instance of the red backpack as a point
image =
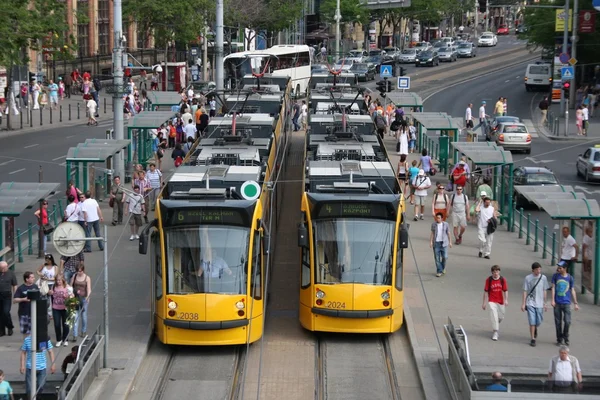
(178, 161)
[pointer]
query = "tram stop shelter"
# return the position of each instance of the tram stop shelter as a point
(563, 203)
(157, 101)
(448, 132)
(409, 101)
(138, 132)
(15, 198)
(488, 160)
(93, 151)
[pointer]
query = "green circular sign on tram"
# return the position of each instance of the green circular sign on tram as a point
(250, 190)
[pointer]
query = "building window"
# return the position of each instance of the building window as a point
(103, 27)
(83, 29)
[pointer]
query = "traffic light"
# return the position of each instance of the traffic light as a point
(402, 71)
(482, 6)
(389, 87)
(566, 86)
(382, 87)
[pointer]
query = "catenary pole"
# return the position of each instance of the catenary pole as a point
(338, 18)
(218, 66)
(565, 50)
(118, 161)
(574, 49)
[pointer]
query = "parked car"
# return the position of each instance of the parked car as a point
(488, 39)
(502, 30)
(357, 55)
(344, 64)
(422, 46)
(393, 52)
(363, 72)
(439, 44)
(531, 176)
(513, 136)
(377, 61)
(448, 54)
(376, 52)
(467, 49)
(429, 57)
(408, 56)
(588, 164)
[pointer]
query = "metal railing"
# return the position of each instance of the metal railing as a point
(553, 123)
(55, 217)
(540, 237)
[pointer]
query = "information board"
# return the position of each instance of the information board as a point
(377, 210)
(205, 216)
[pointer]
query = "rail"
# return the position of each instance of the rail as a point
(55, 217)
(535, 235)
(552, 122)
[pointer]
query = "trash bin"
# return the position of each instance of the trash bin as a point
(471, 136)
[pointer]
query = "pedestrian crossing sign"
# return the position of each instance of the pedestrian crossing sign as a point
(385, 71)
(566, 73)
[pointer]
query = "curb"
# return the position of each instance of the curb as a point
(125, 385)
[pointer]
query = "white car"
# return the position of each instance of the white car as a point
(408, 56)
(421, 46)
(488, 40)
(344, 64)
(357, 55)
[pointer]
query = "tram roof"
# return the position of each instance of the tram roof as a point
(360, 169)
(158, 98)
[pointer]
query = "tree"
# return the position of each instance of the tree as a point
(29, 24)
(352, 11)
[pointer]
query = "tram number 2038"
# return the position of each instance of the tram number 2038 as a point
(335, 304)
(188, 316)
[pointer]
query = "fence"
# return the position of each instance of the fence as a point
(553, 123)
(549, 243)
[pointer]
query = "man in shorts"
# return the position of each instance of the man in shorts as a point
(421, 184)
(135, 207)
(459, 209)
(535, 289)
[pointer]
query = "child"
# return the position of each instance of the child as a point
(5, 389)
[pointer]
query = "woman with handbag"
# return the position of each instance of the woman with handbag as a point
(47, 273)
(60, 293)
(42, 216)
(82, 288)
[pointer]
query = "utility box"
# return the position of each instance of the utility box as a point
(444, 150)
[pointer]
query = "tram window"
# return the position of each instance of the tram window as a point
(157, 264)
(256, 269)
(399, 270)
(305, 274)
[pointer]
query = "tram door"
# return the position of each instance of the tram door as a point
(257, 281)
(157, 308)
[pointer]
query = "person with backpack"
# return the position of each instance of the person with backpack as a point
(380, 123)
(459, 174)
(421, 183)
(178, 155)
(563, 294)
(535, 287)
(459, 206)
(439, 241)
(440, 203)
(495, 298)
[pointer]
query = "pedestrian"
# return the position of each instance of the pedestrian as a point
(20, 297)
(486, 226)
(135, 207)
(71, 359)
(412, 143)
(8, 286)
(579, 120)
(82, 289)
(212, 103)
(563, 294)
(459, 206)
(35, 94)
(543, 106)
(304, 110)
(499, 107)
(413, 172)
(145, 189)
(496, 291)
(60, 293)
(469, 116)
(482, 119)
(6, 391)
(61, 89)
(535, 288)
(380, 123)
(40, 365)
(178, 154)
(68, 84)
(440, 203)
(439, 241)
(117, 197)
(402, 172)
(564, 373)
(92, 216)
(585, 114)
(68, 265)
(190, 129)
(296, 115)
(80, 215)
(48, 271)
(53, 89)
(91, 106)
(459, 174)
(587, 251)
(42, 218)
(155, 179)
(426, 163)
(569, 250)
(504, 106)
(421, 184)
(402, 142)
(70, 213)
(496, 385)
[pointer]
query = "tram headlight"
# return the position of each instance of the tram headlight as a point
(172, 305)
(385, 295)
(320, 294)
(240, 305)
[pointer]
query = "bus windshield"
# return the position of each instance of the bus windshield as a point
(354, 251)
(207, 259)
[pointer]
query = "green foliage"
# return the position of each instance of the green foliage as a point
(352, 11)
(270, 15)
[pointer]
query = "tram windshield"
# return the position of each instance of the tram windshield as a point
(207, 259)
(354, 251)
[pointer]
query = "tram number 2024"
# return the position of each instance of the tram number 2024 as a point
(335, 304)
(188, 316)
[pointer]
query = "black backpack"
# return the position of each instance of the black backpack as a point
(97, 84)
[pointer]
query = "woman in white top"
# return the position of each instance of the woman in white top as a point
(91, 109)
(403, 174)
(35, 94)
(71, 213)
(48, 271)
(402, 142)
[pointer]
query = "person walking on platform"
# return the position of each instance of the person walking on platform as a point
(117, 197)
(486, 226)
(563, 294)
(421, 184)
(92, 216)
(459, 212)
(8, 285)
(439, 241)
(535, 287)
(564, 373)
(496, 291)
(569, 250)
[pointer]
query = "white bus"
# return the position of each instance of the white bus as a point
(283, 60)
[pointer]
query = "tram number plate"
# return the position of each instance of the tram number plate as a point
(188, 316)
(335, 304)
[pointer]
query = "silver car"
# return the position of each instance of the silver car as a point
(467, 50)
(357, 55)
(448, 54)
(514, 136)
(408, 56)
(588, 164)
(422, 46)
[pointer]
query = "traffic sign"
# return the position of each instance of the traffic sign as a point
(385, 71)
(564, 58)
(573, 61)
(566, 73)
(596, 4)
(250, 190)
(404, 82)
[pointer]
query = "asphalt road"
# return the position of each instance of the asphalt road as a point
(559, 156)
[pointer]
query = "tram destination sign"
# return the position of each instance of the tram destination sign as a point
(377, 210)
(205, 216)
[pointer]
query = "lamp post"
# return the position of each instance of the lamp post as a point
(338, 18)
(118, 165)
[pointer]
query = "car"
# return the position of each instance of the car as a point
(362, 71)
(521, 29)
(319, 69)
(531, 176)
(422, 46)
(408, 56)
(428, 57)
(376, 52)
(538, 76)
(467, 50)
(448, 40)
(466, 37)
(393, 52)
(440, 44)
(487, 40)
(377, 61)
(494, 125)
(513, 136)
(357, 55)
(502, 30)
(448, 54)
(588, 164)
(344, 64)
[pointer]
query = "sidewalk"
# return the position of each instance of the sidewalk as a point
(548, 131)
(458, 295)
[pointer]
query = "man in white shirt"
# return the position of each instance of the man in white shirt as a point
(71, 213)
(421, 183)
(569, 249)
(187, 115)
(482, 119)
(586, 118)
(92, 216)
(485, 214)
(564, 372)
(190, 130)
(469, 117)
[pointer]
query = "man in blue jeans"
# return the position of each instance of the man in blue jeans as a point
(439, 241)
(92, 216)
(563, 294)
(40, 364)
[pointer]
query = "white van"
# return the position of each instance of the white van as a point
(538, 76)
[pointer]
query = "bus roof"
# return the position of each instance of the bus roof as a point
(275, 51)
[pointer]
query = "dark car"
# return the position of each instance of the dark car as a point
(496, 122)
(427, 57)
(531, 176)
(362, 71)
(377, 61)
(521, 29)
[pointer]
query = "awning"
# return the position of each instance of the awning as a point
(96, 150)
(151, 119)
(16, 197)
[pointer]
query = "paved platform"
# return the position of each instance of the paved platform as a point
(458, 294)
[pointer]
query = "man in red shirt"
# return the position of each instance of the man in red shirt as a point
(496, 290)
(75, 75)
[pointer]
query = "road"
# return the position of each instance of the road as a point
(559, 156)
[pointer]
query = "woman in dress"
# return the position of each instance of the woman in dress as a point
(579, 120)
(35, 95)
(402, 136)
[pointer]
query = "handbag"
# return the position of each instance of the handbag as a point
(47, 228)
(44, 287)
(111, 202)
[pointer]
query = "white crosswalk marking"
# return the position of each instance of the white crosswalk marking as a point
(533, 130)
